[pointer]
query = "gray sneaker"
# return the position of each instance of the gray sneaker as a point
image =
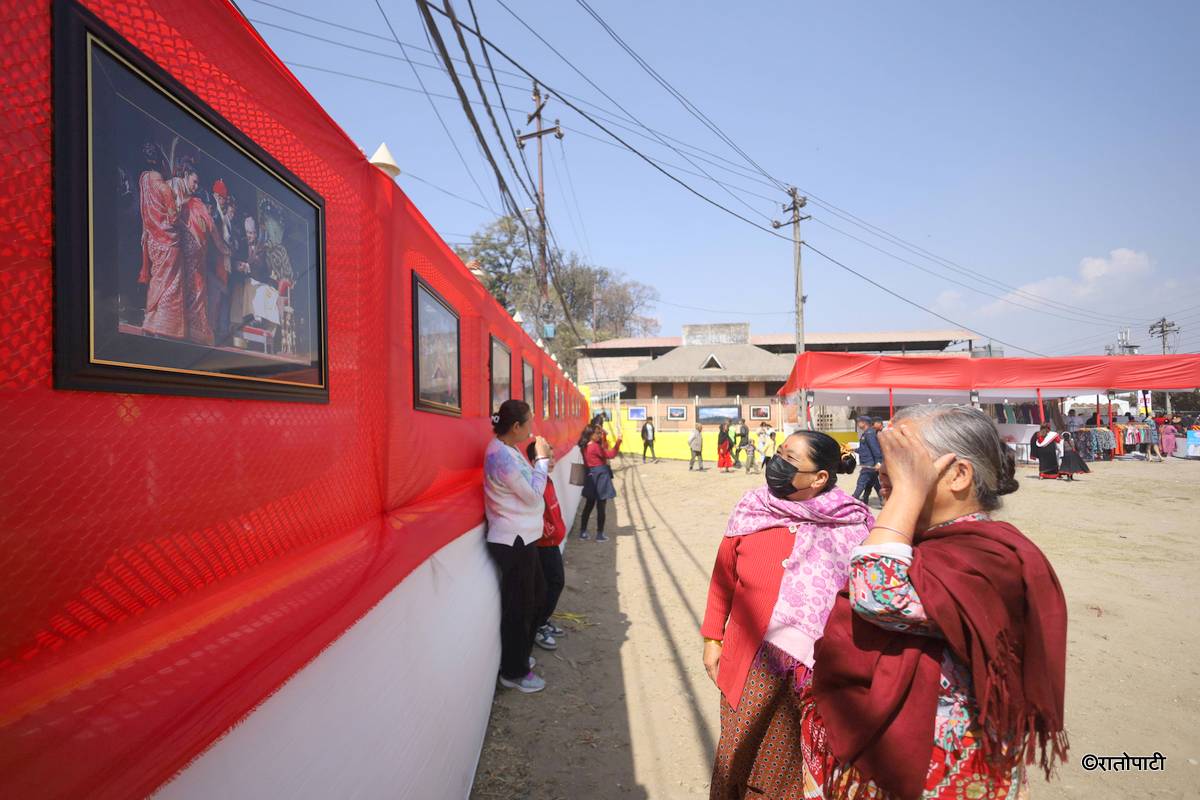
(583, 534)
(528, 685)
(600, 537)
(545, 641)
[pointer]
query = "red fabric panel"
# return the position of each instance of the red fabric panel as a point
(168, 562)
(856, 371)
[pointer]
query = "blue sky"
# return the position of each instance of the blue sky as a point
(1051, 147)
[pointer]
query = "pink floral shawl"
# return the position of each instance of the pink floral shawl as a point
(827, 528)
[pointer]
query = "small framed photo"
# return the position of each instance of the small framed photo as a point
(677, 413)
(436, 343)
(545, 397)
(760, 412)
(501, 372)
(187, 260)
(637, 413)
(527, 370)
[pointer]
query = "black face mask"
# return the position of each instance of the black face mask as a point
(779, 473)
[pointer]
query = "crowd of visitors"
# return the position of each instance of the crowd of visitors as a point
(917, 654)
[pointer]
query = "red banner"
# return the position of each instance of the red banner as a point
(851, 372)
(169, 561)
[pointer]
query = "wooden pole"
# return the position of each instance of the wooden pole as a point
(1041, 407)
(891, 405)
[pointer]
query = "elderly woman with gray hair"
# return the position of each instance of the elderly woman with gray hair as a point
(942, 667)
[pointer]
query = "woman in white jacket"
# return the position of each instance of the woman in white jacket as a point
(513, 500)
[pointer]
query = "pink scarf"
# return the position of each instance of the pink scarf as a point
(827, 528)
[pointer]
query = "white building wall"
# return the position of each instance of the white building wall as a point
(396, 708)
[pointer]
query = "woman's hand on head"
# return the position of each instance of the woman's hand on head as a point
(909, 469)
(712, 658)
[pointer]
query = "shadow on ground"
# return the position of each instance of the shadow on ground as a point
(573, 739)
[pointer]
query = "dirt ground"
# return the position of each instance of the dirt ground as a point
(629, 712)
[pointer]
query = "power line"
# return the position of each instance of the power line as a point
(915, 304)
(1000, 298)
(587, 243)
(432, 105)
(407, 174)
(687, 104)
(615, 102)
(431, 27)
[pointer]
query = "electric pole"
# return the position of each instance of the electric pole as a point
(1161, 330)
(794, 207)
(539, 103)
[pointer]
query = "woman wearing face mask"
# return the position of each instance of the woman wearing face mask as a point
(784, 556)
(513, 501)
(941, 671)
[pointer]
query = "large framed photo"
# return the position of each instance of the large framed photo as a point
(187, 259)
(437, 373)
(637, 413)
(501, 372)
(760, 412)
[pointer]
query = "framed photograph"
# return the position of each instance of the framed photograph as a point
(677, 413)
(500, 368)
(637, 413)
(715, 415)
(760, 412)
(437, 373)
(187, 260)
(527, 373)
(545, 397)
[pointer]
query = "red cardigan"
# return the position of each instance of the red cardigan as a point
(741, 597)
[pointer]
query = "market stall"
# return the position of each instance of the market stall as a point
(855, 379)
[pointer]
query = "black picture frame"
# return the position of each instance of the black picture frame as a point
(425, 396)
(107, 96)
(545, 396)
(499, 391)
(529, 382)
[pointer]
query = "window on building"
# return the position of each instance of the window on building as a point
(662, 389)
(737, 389)
(629, 392)
(711, 363)
(699, 390)
(773, 387)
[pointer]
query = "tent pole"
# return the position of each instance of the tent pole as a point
(1041, 407)
(891, 405)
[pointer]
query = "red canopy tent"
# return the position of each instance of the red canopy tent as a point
(863, 380)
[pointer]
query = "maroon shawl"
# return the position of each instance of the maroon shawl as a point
(998, 603)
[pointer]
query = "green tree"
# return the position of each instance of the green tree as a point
(584, 303)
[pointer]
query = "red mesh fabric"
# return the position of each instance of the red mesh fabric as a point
(168, 562)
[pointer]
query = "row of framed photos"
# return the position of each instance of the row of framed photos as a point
(437, 369)
(705, 415)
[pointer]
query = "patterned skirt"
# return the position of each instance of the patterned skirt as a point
(960, 775)
(759, 752)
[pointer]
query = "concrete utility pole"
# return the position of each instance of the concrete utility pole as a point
(794, 207)
(1161, 330)
(539, 103)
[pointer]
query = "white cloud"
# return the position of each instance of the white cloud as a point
(1095, 285)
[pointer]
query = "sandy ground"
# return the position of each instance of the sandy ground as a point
(630, 713)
